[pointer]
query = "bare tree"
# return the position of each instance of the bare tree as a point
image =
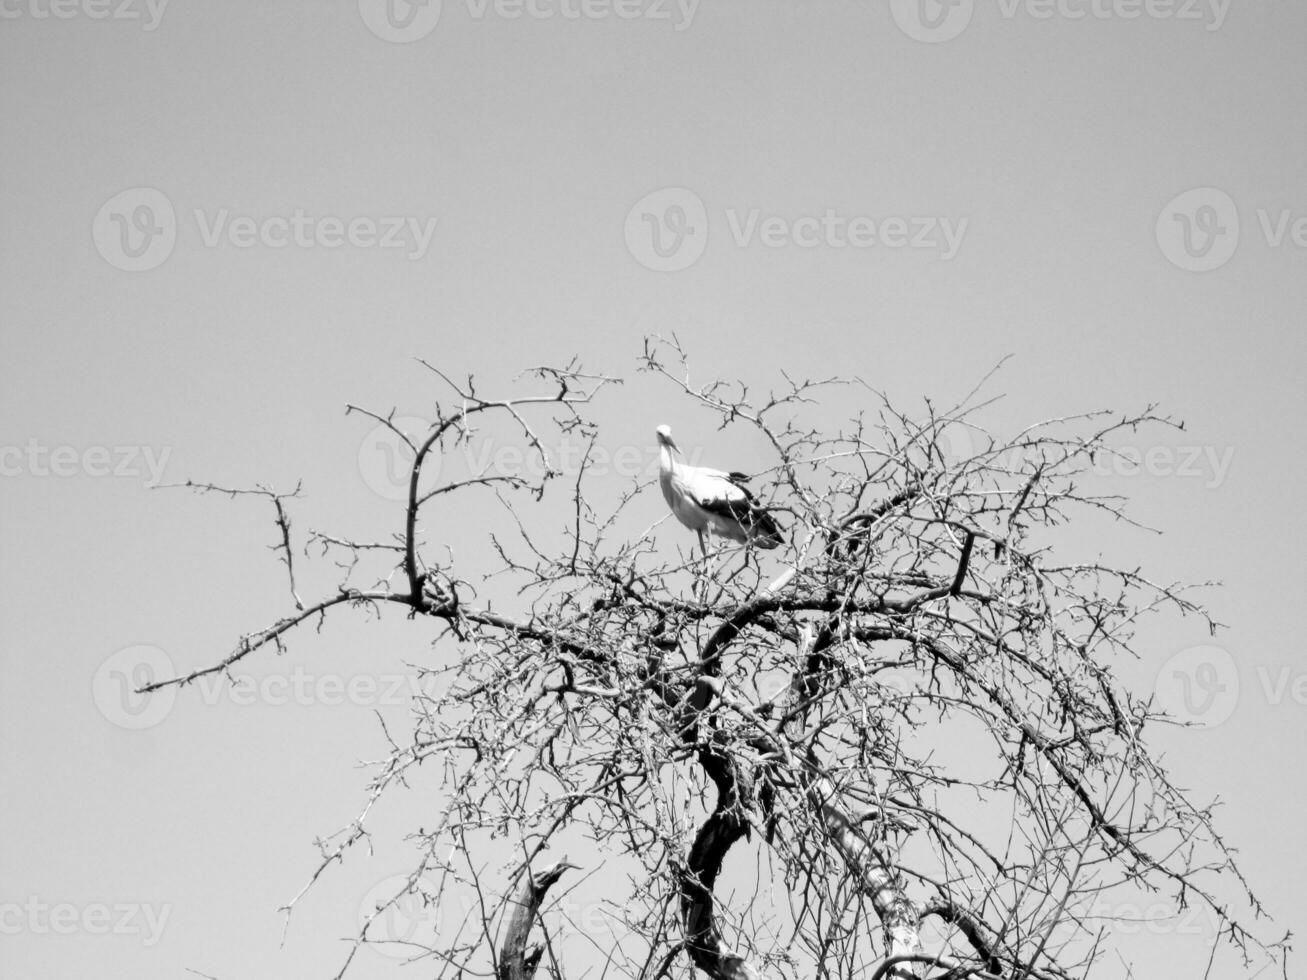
(910, 736)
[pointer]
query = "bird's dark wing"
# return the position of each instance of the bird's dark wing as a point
(738, 508)
(766, 531)
(762, 519)
(752, 516)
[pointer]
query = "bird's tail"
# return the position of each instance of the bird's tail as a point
(763, 529)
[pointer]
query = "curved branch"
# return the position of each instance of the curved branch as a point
(473, 404)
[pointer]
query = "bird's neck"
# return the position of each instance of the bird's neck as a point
(666, 461)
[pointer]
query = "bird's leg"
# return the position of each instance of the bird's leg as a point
(703, 566)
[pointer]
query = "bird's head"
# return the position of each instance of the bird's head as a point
(665, 437)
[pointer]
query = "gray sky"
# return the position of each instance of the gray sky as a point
(223, 221)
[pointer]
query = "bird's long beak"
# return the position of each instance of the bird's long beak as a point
(671, 444)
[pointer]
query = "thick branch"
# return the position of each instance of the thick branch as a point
(969, 926)
(961, 575)
(726, 825)
(516, 962)
(899, 916)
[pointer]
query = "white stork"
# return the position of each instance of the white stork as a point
(707, 500)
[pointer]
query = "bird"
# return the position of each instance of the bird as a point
(707, 500)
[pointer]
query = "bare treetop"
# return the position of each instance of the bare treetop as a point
(894, 746)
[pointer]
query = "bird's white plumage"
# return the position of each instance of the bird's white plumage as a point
(713, 501)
